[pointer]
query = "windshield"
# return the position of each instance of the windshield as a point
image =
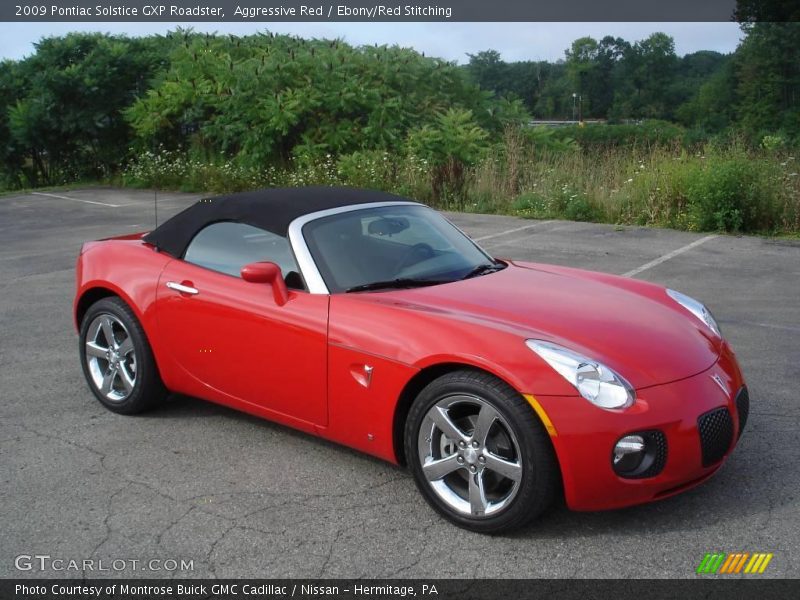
(404, 245)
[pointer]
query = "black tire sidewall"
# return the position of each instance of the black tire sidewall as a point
(539, 468)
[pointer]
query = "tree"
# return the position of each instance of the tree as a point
(647, 73)
(66, 113)
(768, 78)
(610, 52)
(10, 156)
(713, 106)
(582, 69)
(265, 98)
(555, 98)
(704, 90)
(489, 71)
(518, 80)
(593, 69)
(768, 11)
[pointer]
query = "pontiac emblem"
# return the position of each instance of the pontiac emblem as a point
(718, 380)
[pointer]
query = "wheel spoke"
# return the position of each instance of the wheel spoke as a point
(504, 467)
(127, 382)
(477, 495)
(96, 350)
(108, 332)
(442, 419)
(108, 380)
(439, 468)
(466, 437)
(486, 418)
(126, 347)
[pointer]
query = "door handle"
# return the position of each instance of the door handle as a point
(183, 289)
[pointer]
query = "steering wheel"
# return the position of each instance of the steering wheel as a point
(417, 252)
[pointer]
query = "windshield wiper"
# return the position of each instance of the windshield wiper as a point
(484, 269)
(403, 282)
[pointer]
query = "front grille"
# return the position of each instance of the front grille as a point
(743, 408)
(716, 434)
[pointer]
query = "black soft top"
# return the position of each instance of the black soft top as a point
(272, 209)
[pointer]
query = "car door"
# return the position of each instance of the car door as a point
(230, 338)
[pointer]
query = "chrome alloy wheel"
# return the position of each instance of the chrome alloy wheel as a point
(111, 357)
(470, 456)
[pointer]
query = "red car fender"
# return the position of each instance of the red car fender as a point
(363, 394)
(403, 343)
(142, 267)
(520, 381)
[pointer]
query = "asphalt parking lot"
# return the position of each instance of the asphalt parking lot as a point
(242, 497)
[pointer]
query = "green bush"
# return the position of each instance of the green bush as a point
(773, 143)
(376, 169)
(532, 204)
(265, 99)
(570, 204)
(592, 136)
(548, 139)
(451, 145)
(734, 194)
(10, 181)
(580, 208)
(174, 170)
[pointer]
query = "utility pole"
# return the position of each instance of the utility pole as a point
(577, 107)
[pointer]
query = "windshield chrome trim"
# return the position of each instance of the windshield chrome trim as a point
(305, 262)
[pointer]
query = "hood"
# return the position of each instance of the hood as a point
(631, 326)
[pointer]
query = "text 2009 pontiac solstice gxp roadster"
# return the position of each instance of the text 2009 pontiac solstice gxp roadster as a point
(370, 320)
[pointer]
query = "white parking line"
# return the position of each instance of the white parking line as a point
(502, 233)
(511, 242)
(76, 199)
(668, 256)
(770, 326)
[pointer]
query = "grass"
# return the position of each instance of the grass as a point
(717, 188)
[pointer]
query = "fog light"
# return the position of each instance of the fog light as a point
(629, 453)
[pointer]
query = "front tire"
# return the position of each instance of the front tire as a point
(479, 454)
(117, 360)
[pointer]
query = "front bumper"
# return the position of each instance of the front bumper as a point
(585, 436)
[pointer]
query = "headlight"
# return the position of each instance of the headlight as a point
(593, 380)
(698, 309)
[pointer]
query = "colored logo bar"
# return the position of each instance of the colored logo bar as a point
(739, 562)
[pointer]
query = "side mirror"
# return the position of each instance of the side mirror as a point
(267, 272)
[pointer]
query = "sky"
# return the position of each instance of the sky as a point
(450, 41)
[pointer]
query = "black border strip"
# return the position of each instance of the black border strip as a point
(178, 11)
(709, 586)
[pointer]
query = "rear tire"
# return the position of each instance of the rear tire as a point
(479, 454)
(117, 360)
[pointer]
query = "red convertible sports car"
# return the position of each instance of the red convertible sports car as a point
(370, 320)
